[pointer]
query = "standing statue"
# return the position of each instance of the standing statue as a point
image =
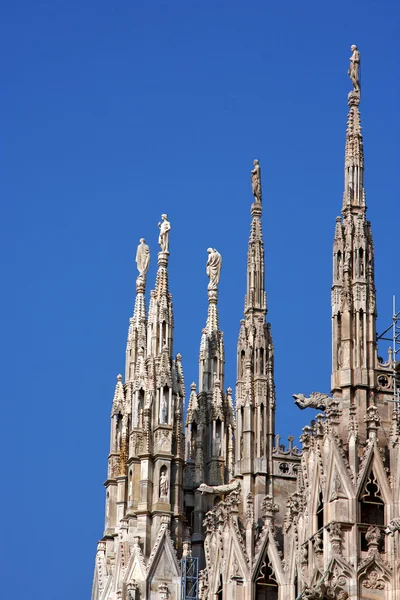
(256, 181)
(163, 411)
(163, 485)
(143, 257)
(354, 69)
(213, 268)
(164, 226)
(217, 445)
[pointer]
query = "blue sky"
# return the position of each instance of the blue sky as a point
(113, 113)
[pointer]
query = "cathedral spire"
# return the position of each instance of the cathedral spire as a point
(255, 390)
(137, 323)
(160, 334)
(256, 299)
(354, 195)
(354, 355)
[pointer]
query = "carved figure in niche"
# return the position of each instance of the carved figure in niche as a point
(164, 484)
(163, 410)
(373, 581)
(337, 491)
(130, 492)
(143, 257)
(213, 268)
(217, 445)
(118, 436)
(338, 265)
(354, 69)
(163, 238)
(256, 181)
(235, 568)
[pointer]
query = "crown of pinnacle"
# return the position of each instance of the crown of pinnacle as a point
(354, 152)
(255, 296)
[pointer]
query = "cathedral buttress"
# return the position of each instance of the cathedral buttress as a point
(255, 389)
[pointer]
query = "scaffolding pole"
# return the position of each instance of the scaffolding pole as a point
(189, 578)
(394, 329)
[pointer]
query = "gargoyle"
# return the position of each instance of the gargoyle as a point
(316, 400)
(394, 525)
(219, 489)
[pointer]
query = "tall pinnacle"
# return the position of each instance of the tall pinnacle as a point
(354, 195)
(256, 296)
(160, 310)
(137, 323)
(211, 346)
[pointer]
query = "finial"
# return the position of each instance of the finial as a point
(256, 181)
(354, 69)
(193, 386)
(163, 238)
(213, 268)
(119, 377)
(143, 257)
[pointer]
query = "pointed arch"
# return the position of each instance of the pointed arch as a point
(336, 469)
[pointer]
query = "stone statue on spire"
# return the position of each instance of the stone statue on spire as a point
(143, 257)
(354, 69)
(163, 238)
(213, 268)
(256, 181)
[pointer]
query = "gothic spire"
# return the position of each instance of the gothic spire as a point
(137, 323)
(212, 346)
(160, 333)
(255, 390)
(354, 195)
(256, 299)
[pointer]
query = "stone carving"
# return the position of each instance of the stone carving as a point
(132, 587)
(335, 537)
(342, 595)
(235, 569)
(268, 507)
(217, 445)
(163, 591)
(143, 257)
(337, 488)
(354, 69)
(373, 537)
(164, 484)
(213, 268)
(256, 181)
(163, 410)
(163, 238)
(394, 525)
(373, 581)
(186, 548)
(316, 400)
(220, 489)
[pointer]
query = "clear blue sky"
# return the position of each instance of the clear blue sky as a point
(112, 113)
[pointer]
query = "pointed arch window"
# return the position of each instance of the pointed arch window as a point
(372, 508)
(266, 584)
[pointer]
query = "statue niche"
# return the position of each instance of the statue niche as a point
(164, 483)
(163, 417)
